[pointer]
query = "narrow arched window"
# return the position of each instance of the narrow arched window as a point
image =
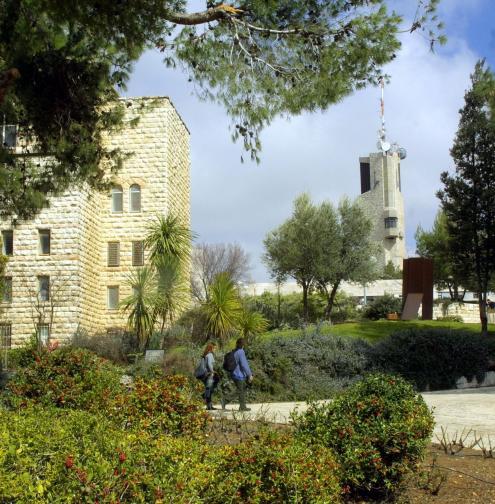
(117, 199)
(135, 198)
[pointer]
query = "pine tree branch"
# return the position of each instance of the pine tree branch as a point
(195, 18)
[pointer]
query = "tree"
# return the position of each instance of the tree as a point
(390, 272)
(349, 252)
(436, 245)
(251, 323)
(294, 248)
(168, 238)
(208, 260)
(223, 307)
(259, 59)
(173, 293)
(468, 196)
(160, 289)
(141, 304)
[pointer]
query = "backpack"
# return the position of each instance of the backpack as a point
(229, 362)
(200, 371)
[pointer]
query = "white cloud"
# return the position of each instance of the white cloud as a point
(319, 153)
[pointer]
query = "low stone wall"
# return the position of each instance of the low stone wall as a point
(488, 381)
(469, 312)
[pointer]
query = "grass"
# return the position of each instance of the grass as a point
(373, 331)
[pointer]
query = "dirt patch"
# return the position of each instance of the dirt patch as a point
(465, 478)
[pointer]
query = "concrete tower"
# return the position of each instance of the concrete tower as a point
(381, 197)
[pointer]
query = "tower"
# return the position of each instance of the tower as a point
(381, 197)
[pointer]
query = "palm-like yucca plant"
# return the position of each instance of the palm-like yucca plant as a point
(223, 308)
(251, 324)
(140, 304)
(167, 237)
(172, 290)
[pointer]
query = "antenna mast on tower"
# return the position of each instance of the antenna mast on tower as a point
(382, 144)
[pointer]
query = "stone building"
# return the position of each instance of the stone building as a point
(382, 201)
(68, 266)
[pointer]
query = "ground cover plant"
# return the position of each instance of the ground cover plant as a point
(378, 429)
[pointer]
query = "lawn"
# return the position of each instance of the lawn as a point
(376, 330)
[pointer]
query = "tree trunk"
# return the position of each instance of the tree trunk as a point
(305, 287)
(330, 300)
(483, 317)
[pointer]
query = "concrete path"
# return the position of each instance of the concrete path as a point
(456, 411)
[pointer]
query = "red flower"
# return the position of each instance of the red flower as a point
(69, 462)
(122, 457)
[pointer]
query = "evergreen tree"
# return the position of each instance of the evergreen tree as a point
(61, 64)
(436, 245)
(468, 196)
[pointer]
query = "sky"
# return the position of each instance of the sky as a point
(319, 152)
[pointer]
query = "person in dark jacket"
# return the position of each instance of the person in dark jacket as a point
(242, 374)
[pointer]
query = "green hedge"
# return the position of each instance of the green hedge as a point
(378, 430)
(434, 358)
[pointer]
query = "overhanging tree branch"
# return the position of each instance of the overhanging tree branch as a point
(195, 18)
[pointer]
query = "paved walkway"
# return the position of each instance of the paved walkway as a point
(455, 411)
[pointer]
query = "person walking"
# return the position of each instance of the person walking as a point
(211, 378)
(242, 373)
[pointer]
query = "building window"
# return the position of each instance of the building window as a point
(117, 199)
(365, 177)
(113, 254)
(8, 133)
(44, 288)
(8, 243)
(113, 297)
(137, 253)
(390, 222)
(135, 198)
(43, 333)
(5, 336)
(44, 235)
(7, 290)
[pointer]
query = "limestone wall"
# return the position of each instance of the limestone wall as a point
(468, 311)
(62, 266)
(82, 223)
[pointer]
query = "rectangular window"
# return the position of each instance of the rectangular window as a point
(7, 290)
(390, 222)
(365, 177)
(113, 297)
(5, 336)
(8, 243)
(44, 235)
(44, 333)
(44, 288)
(137, 253)
(113, 255)
(8, 132)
